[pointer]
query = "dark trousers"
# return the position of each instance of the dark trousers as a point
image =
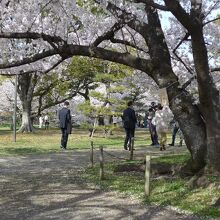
(129, 134)
(64, 137)
(175, 130)
(153, 134)
(47, 125)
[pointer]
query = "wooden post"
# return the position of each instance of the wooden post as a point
(147, 176)
(15, 108)
(101, 159)
(132, 148)
(91, 154)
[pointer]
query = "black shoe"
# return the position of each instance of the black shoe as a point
(125, 148)
(171, 144)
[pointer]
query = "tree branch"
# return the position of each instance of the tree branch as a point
(53, 67)
(31, 35)
(28, 60)
(119, 41)
(178, 58)
(187, 83)
(211, 21)
(114, 56)
(216, 69)
(129, 19)
(108, 35)
(178, 11)
(153, 4)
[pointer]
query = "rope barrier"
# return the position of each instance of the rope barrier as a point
(112, 155)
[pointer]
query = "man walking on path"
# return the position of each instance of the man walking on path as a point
(65, 124)
(129, 120)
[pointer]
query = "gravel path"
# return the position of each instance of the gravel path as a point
(43, 187)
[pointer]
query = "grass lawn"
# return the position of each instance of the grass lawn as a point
(45, 141)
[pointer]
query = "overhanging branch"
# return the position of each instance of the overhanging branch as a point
(28, 60)
(31, 35)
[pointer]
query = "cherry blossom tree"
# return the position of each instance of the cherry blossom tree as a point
(129, 33)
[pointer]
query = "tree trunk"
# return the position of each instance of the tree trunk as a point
(209, 99)
(208, 94)
(187, 114)
(26, 84)
(192, 126)
(26, 125)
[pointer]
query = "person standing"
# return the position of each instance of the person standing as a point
(176, 129)
(65, 124)
(41, 120)
(161, 120)
(46, 122)
(129, 120)
(152, 127)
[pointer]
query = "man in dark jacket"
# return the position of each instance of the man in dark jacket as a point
(65, 124)
(129, 120)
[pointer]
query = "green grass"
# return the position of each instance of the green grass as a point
(172, 191)
(177, 159)
(46, 141)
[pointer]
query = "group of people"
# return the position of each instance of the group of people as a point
(159, 120)
(44, 120)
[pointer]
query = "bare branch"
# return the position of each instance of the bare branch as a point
(216, 69)
(119, 41)
(187, 83)
(153, 4)
(29, 60)
(210, 10)
(211, 21)
(174, 51)
(108, 35)
(178, 11)
(53, 67)
(31, 35)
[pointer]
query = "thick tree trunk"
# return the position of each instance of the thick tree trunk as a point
(187, 114)
(208, 94)
(209, 100)
(26, 125)
(26, 84)
(192, 126)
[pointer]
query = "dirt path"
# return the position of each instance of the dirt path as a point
(43, 187)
